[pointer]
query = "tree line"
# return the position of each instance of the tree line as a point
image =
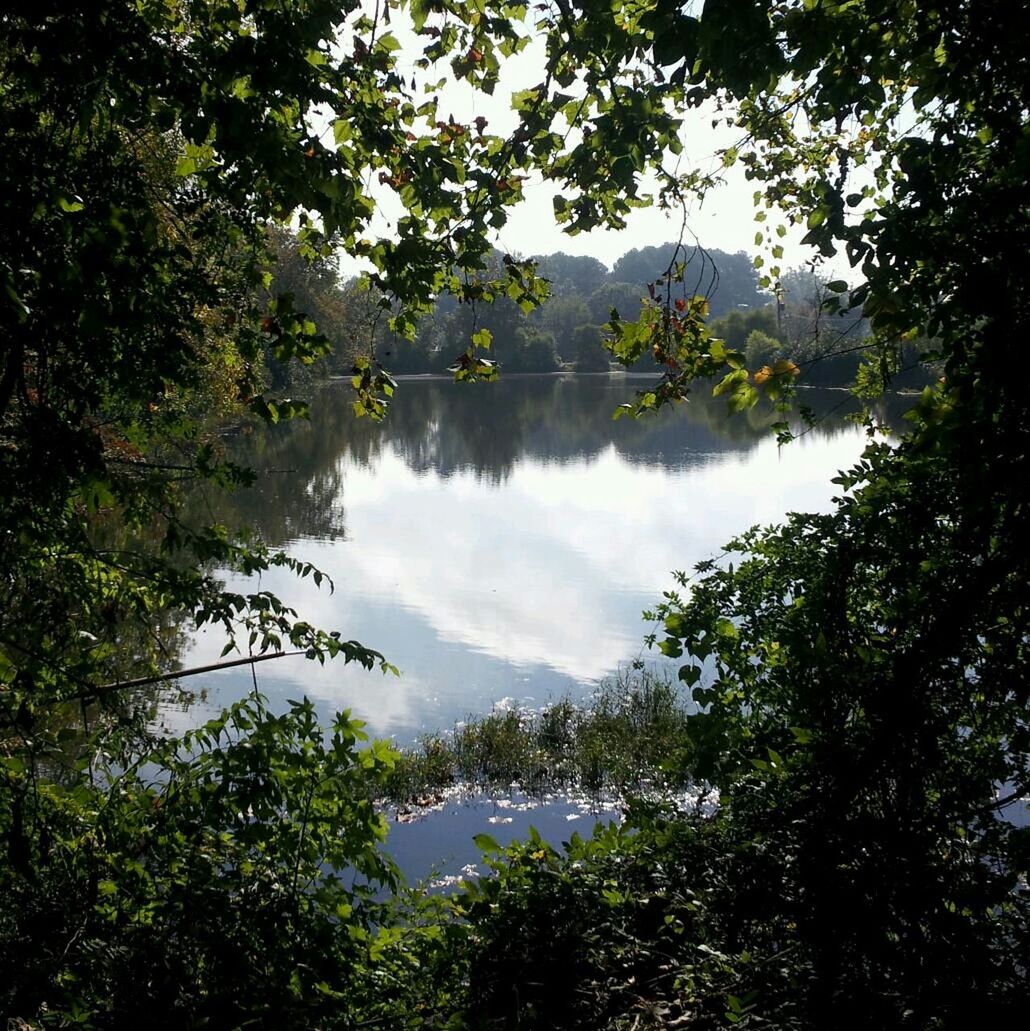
(567, 330)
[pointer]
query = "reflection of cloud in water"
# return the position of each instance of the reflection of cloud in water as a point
(471, 587)
(390, 705)
(532, 573)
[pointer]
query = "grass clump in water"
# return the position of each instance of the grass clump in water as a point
(627, 737)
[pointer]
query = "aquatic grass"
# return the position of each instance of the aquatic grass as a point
(626, 737)
(421, 774)
(495, 749)
(629, 735)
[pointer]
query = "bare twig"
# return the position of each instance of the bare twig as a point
(122, 685)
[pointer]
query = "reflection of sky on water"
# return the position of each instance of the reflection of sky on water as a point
(441, 841)
(528, 587)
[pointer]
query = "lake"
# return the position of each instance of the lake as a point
(499, 542)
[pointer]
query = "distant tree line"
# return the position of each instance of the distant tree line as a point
(568, 329)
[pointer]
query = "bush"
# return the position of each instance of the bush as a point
(224, 880)
(588, 350)
(628, 737)
(762, 349)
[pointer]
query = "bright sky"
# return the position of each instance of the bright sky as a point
(725, 221)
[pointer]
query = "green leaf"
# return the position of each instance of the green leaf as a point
(485, 843)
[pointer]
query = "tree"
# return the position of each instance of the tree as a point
(535, 351)
(762, 349)
(588, 349)
(860, 676)
(625, 298)
(561, 315)
(152, 150)
(736, 326)
(571, 274)
(312, 284)
(729, 281)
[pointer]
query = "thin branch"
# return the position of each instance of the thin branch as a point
(121, 685)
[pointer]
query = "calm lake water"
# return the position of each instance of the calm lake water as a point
(499, 542)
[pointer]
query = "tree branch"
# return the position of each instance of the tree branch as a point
(122, 685)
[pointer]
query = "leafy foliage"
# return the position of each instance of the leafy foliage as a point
(205, 884)
(861, 676)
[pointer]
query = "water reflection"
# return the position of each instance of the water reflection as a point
(502, 540)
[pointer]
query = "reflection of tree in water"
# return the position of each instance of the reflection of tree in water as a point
(439, 426)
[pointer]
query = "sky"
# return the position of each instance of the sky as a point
(725, 221)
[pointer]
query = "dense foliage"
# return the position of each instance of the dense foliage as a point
(860, 677)
(198, 887)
